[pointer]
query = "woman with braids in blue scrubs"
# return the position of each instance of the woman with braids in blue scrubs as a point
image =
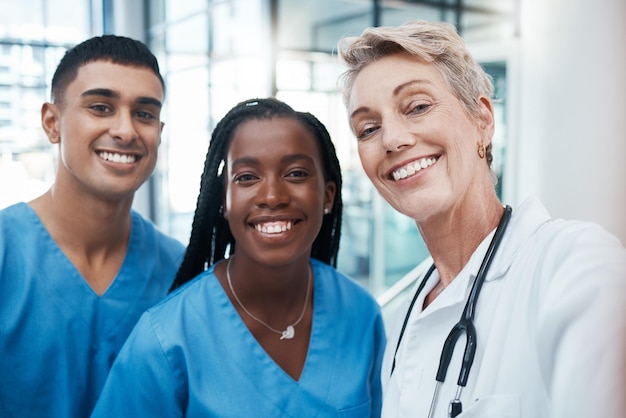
(261, 323)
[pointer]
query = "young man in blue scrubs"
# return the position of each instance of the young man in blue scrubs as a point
(77, 265)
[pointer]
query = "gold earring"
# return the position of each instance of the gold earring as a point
(481, 150)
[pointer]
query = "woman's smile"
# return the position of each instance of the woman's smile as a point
(410, 169)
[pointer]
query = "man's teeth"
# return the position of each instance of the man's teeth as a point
(117, 158)
(412, 168)
(273, 227)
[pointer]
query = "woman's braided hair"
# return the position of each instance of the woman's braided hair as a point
(210, 234)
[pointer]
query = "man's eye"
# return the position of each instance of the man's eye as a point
(100, 108)
(145, 115)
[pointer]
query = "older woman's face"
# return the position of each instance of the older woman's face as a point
(416, 143)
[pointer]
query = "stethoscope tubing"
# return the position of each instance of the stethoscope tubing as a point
(465, 325)
(466, 322)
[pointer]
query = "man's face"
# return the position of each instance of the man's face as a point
(108, 127)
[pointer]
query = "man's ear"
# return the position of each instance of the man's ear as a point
(50, 122)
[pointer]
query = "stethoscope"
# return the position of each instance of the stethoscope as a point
(465, 325)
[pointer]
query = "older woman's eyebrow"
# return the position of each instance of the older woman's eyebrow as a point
(356, 112)
(396, 91)
(408, 84)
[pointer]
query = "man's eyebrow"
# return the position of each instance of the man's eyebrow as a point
(100, 92)
(150, 101)
(144, 100)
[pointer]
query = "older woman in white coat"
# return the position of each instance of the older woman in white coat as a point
(538, 302)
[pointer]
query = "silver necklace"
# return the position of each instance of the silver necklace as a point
(289, 332)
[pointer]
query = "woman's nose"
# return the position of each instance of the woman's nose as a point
(273, 192)
(396, 136)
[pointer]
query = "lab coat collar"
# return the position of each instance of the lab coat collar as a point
(525, 221)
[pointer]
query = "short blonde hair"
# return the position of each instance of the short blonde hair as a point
(437, 43)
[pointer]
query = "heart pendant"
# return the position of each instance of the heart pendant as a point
(288, 333)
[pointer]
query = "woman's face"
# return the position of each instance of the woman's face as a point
(416, 143)
(275, 190)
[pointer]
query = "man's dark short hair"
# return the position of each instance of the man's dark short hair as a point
(113, 48)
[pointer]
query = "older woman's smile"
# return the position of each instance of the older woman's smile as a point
(413, 167)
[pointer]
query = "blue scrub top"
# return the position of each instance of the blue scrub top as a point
(192, 355)
(58, 338)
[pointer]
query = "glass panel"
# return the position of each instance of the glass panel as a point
(185, 142)
(22, 20)
(189, 35)
(67, 21)
(177, 10)
(317, 25)
(34, 34)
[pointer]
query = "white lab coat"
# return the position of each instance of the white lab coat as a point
(550, 321)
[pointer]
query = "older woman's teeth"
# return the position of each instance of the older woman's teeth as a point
(273, 227)
(412, 168)
(117, 158)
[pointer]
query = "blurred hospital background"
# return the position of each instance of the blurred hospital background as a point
(559, 68)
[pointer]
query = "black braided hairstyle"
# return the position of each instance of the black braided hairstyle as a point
(210, 234)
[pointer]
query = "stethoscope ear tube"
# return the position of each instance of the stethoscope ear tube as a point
(472, 301)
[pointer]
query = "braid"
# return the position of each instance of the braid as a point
(210, 234)
(326, 245)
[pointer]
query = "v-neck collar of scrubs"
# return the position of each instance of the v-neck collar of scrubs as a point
(262, 368)
(58, 274)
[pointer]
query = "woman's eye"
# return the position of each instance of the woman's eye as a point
(243, 178)
(419, 108)
(364, 133)
(298, 173)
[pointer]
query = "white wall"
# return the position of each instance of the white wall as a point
(570, 139)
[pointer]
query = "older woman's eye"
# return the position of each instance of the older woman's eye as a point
(364, 133)
(419, 108)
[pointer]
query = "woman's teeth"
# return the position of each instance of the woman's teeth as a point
(273, 227)
(412, 168)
